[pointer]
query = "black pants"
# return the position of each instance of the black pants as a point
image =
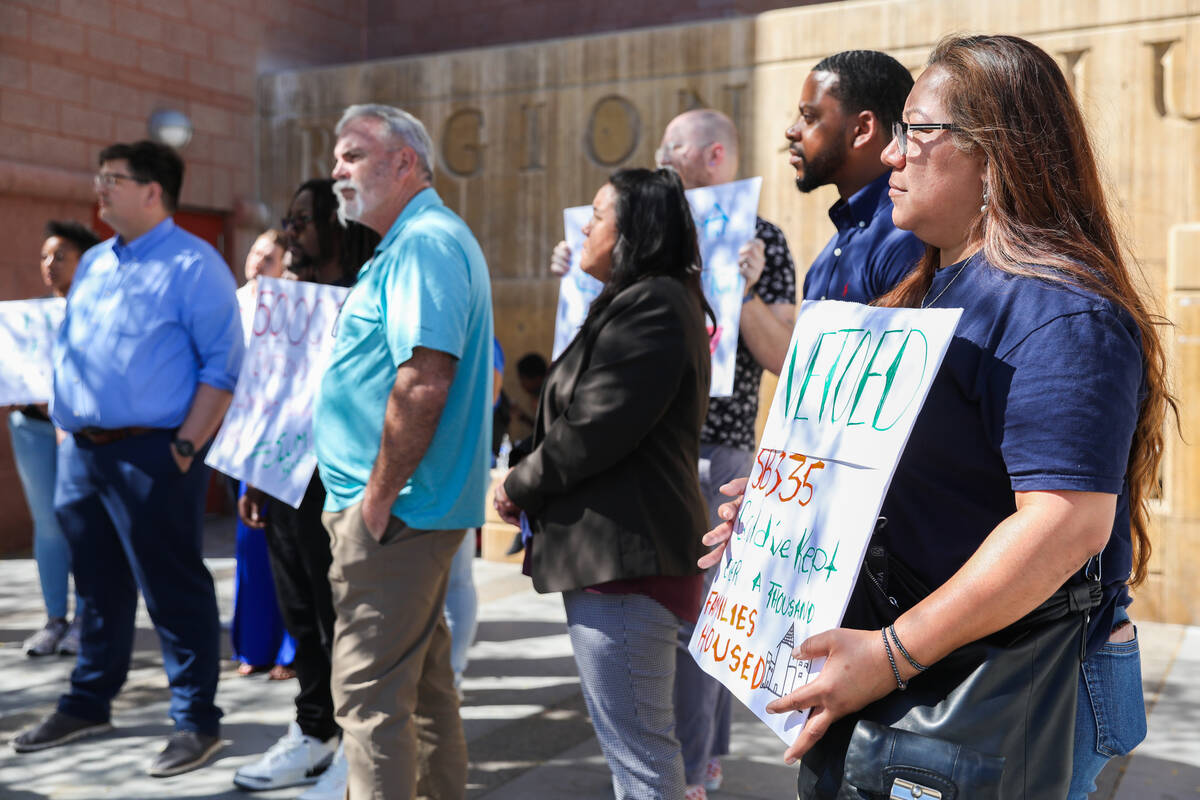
(299, 547)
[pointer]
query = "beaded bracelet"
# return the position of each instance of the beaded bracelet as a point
(903, 684)
(915, 664)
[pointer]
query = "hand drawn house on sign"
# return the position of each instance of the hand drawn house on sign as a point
(783, 671)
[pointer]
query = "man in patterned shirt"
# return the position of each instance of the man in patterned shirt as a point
(702, 146)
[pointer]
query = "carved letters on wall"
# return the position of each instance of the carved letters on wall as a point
(1170, 77)
(1073, 65)
(612, 131)
(531, 135)
(462, 151)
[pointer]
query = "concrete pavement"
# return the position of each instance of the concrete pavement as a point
(526, 726)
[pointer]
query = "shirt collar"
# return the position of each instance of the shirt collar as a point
(142, 245)
(421, 200)
(862, 206)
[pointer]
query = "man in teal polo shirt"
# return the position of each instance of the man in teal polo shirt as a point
(403, 428)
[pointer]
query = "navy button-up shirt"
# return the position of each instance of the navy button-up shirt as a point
(146, 321)
(868, 255)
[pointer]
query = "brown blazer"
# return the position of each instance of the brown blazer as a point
(611, 487)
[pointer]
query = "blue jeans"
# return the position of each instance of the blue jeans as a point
(134, 521)
(1110, 718)
(34, 451)
(462, 605)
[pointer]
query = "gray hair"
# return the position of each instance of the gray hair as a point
(401, 126)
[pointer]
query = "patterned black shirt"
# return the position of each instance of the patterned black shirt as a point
(730, 420)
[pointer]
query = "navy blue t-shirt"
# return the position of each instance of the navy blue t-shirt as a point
(1039, 391)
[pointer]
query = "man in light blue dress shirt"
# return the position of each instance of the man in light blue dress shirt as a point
(144, 369)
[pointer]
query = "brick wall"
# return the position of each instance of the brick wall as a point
(76, 75)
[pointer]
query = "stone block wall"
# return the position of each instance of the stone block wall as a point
(523, 131)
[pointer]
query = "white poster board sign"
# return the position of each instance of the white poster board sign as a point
(266, 438)
(578, 289)
(28, 329)
(853, 383)
(725, 217)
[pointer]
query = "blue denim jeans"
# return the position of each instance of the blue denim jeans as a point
(462, 606)
(1110, 718)
(35, 454)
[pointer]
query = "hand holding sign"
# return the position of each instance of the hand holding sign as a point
(560, 259)
(856, 672)
(718, 537)
(752, 260)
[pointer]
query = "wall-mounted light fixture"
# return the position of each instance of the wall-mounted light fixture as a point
(170, 127)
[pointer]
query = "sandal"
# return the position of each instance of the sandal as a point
(281, 672)
(245, 670)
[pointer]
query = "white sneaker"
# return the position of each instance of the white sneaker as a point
(332, 785)
(295, 760)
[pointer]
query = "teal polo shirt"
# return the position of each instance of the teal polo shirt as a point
(426, 286)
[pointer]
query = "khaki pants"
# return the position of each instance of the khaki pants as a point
(393, 688)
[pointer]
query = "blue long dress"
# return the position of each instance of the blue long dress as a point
(258, 635)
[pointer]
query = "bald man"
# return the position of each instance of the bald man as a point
(702, 146)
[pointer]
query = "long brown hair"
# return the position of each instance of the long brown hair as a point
(1047, 216)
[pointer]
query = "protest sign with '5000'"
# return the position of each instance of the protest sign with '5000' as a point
(266, 438)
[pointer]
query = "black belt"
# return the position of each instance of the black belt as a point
(110, 435)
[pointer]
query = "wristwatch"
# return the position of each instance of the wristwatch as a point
(183, 448)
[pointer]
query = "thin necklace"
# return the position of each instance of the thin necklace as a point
(949, 283)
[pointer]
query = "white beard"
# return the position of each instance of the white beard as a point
(348, 209)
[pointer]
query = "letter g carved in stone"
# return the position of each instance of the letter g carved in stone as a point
(462, 152)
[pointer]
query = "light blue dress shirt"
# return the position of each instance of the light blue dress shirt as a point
(426, 286)
(146, 321)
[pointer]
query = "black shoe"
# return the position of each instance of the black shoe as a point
(517, 545)
(56, 729)
(185, 751)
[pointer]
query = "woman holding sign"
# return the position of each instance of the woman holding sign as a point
(611, 488)
(1033, 459)
(34, 451)
(260, 641)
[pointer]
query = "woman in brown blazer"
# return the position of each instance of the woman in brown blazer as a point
(611, 489)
